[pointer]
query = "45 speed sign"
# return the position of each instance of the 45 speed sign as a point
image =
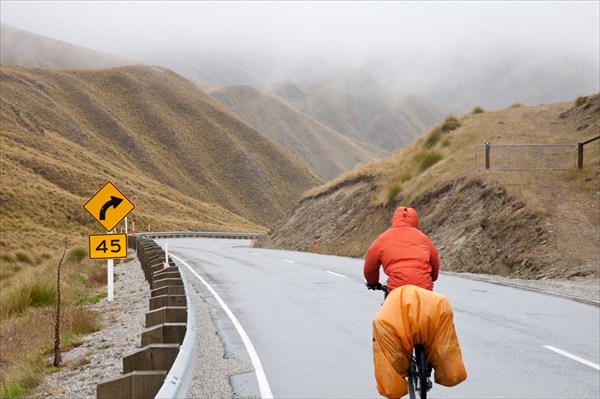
(108, 246)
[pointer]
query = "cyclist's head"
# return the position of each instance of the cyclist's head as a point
(405, 216)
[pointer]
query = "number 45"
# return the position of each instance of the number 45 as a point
(108, 246)
(115, 246)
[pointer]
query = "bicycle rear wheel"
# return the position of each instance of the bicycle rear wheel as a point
(413, 378)
(421, 375)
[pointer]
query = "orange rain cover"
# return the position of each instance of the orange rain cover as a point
(412, 315)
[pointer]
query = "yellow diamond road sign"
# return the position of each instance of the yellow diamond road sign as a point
(109, 206)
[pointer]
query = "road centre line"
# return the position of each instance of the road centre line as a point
(336, 274)
(572, 356)
(288, 261)
(263, 383)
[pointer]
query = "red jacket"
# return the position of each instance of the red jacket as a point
(407, 255)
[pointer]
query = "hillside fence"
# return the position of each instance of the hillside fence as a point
(515, 157)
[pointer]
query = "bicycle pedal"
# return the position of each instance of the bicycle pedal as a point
(429, 384)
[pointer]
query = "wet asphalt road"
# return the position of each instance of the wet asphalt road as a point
(309, 319)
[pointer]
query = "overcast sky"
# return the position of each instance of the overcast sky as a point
(491, 51)
(339, 28)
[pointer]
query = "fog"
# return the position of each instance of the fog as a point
(404, 44)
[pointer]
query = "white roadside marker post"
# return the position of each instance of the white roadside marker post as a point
(110, 276)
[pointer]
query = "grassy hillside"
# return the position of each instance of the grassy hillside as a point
(326, 152)
(183, 159)
(355, 105)
(525, 223)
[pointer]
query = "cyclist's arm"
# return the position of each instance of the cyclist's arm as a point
(372, 263)
(434, 260)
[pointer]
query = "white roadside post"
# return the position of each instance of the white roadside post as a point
(111, 286)
(166, 264)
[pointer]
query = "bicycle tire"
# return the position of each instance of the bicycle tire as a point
(412, 378)
(421, 371)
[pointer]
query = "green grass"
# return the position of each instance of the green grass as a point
(12, 390)
(42, 294)
(24, 258)
(94, 299)
(77, 254)
(393, 190)
(451, 123)
(427, 159)
(433, 138)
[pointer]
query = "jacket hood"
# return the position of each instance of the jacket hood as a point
(405, 217)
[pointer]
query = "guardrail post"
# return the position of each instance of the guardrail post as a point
(151, 357)
(137, 384)
(166, 333)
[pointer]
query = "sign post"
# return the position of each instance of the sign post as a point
(108, 206)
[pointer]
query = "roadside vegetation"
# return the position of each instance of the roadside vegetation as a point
(28, 295)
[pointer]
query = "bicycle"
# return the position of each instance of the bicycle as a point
(419, 374)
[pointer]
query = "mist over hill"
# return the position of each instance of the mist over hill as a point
(357, 106)
(182, 158)
(456, 76)
(325, 151)
(490, 75)
(20, 47)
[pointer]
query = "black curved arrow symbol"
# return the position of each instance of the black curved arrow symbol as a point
(114, 202)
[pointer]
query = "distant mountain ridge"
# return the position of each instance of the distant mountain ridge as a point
(335, 124)
(182, 158)
(19, 47)
(357, 106)
(326, 152)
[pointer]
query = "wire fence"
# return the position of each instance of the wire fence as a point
(506, 157)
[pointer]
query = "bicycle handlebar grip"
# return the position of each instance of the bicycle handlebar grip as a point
(377, 286)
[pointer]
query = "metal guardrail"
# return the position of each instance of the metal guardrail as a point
(182, 234)
(179, 379)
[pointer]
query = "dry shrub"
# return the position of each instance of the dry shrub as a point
(100, 276)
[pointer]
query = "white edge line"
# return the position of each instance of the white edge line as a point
(336, 274)
(574, 357)
(263, 383)
(288, 261)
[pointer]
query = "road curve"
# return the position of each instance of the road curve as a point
(309, 319)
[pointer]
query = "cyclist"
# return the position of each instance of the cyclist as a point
(407, 255)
